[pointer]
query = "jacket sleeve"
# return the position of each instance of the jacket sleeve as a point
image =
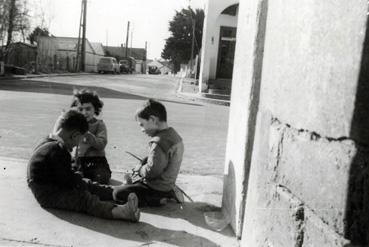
(156, 163)
(100, 139)
(64, 175)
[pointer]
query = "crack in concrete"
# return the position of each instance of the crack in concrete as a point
(31, 242)
(314, 136)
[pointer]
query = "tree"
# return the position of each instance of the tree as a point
(38, 32)
(14, 19)
(177, 48)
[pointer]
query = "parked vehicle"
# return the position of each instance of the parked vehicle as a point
(127, 65)
(108, 64)
(154, 70)
(124, 66)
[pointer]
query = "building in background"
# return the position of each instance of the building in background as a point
(60, 54)
(138, 54)
(22, 55)
(159, 67)
(218, 45)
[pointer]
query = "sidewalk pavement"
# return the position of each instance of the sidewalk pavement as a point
(188, 89)
(24, 223)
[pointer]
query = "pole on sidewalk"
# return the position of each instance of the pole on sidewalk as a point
(83, 55)
(77, 62)
(127, 38)
(193, 42)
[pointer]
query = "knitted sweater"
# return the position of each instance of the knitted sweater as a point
(164, 160)
(95, 148)
(99, 139)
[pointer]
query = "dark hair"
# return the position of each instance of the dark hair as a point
(74, 120)
(152, 108)
(87, 96)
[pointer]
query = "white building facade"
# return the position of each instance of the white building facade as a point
(218, 42)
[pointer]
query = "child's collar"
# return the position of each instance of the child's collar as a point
(57, 138)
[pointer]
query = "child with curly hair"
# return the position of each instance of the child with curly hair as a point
(90, 157)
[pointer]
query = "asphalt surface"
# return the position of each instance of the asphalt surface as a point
(30, 107)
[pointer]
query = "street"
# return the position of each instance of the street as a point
(30, 107)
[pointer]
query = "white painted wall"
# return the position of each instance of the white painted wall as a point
(244, 76)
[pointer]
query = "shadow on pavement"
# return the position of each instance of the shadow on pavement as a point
(35, 86)
(140, 232)
(192, 212)
(61, 88)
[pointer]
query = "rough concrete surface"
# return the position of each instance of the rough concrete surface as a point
(305, 160)
(24, 223)
(311, 63)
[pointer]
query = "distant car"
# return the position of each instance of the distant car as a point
(124, 66)
(154, 70)
(108, 64)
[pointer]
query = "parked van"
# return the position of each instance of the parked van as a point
(108, 64)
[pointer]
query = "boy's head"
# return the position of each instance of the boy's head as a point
(151, 117)
(73, 125)
(87, 102)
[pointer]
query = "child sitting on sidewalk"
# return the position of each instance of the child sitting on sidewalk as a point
(54, 184)
(90, 152)
(160, 169)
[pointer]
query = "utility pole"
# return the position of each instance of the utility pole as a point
(130, 50)
(77, 63)
(81, 52)
(145, 58)
(193, 40)
(107, 37)
(83, 55)
(127, 38)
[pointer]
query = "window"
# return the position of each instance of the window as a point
(231, 10)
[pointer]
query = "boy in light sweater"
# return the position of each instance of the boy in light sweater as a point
(160, 169)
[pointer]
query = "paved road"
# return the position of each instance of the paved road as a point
(30, 107)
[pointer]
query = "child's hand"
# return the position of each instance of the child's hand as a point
(88, 137)
(137, 168)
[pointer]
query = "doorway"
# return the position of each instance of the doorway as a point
(227, 44)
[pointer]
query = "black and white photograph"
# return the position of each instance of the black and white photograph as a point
(231, 123)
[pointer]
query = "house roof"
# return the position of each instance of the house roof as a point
(155, 63)
(70, 44)
(116, 51)
(98, 48)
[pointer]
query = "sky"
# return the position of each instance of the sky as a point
(107, 20)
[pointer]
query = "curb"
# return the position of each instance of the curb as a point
(40, 76)
(199, 97)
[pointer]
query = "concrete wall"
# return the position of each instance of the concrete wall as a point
(297, 155)
(210, 38)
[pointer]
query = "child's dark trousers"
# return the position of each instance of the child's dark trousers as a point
(90, 198)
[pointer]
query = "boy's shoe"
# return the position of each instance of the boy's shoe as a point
(129, 211)
(178, 195)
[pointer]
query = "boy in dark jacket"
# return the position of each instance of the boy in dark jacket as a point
(160, 169)
(55, 185)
